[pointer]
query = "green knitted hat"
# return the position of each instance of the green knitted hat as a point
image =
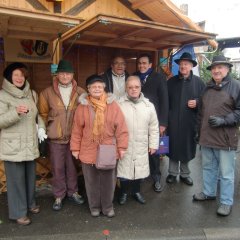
(65, 66)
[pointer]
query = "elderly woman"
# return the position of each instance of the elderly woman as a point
(18, 141)
(142, 123)
(98, 120)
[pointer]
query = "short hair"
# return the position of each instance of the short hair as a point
(114, 58)
(130, 77)
(147, 55)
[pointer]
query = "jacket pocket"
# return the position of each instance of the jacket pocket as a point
(11, 146)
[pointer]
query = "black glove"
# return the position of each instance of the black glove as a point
(216, 121)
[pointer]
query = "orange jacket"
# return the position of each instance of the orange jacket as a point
(115, 126)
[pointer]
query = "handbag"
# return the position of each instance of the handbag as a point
(106, 157)
(163, 145)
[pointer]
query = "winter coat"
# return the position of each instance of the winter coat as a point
(18, 133)
(222, 101)
(182, 119)
(114, 128)
(107, 76)
(142, 123)
(57, 118)
(155, 89)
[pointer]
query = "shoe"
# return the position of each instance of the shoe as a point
(202, 197)
(123, 199)
(77, 199)
(110, 214)
(23, 221)
(171, 179)
(95, 213)
(57, 204)
(139, 198)
(157, 186)
(224, 210)
(35, 210)
(187, 180)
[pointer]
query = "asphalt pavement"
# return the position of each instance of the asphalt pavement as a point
(170, 214)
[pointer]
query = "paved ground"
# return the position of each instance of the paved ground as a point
(169, 215)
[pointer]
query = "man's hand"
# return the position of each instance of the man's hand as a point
(215, 121)
(152, 151)
(75, 154)
(162, 130)
(192, 103)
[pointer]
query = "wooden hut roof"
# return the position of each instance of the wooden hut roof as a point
(152, 24)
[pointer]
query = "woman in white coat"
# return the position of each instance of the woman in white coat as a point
(142, 123)
(19, 141)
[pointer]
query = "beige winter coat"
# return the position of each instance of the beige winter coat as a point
(18, 133)
(142, 123)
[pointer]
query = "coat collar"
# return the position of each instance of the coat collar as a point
(83, 98)
(14, 91)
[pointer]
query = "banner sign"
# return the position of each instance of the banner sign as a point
(27, 50)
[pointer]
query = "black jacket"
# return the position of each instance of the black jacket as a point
(107, 76)
(224, 101)
(182, 119)
(155, 89)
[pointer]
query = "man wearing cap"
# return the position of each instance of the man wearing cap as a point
(184, 91)
(115, 77)
(219, 116)
(57, 105)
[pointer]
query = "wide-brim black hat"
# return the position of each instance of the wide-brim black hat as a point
(217, 60)
(94, 78)
(187, 57)
(65, 66)
(7, 73)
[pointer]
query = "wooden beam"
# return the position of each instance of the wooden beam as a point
(99, 34)
(79, 7)
(37, 5)
(41, 16)
(4, 25)
(140, 3)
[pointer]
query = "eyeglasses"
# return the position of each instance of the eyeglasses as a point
(119, 63)
(133, 87)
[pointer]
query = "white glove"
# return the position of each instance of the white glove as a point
(41, 135)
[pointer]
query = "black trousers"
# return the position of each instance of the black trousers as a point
(154, 163)
(135, 185)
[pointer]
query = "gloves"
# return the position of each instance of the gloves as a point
(216, 121)
(41, 135)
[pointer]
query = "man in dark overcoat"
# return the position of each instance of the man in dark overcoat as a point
(154, 87)
(184, 91)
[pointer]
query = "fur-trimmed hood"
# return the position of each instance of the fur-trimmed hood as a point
(83, 98)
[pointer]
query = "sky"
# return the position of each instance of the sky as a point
(222, 17)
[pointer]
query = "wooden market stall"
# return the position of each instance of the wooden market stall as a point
(89, 34)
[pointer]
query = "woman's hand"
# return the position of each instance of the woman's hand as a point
(121, 154)
(22, 109)
(75, 154)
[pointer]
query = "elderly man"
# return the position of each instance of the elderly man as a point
(115, 77)
(219, 116)
(57, 105)
(184, 91)
(142, 123)
(154, 87)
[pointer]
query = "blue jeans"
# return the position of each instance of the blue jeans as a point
(218, 164)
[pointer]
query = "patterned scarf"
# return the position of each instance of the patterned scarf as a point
(99, 106)
(143, 76)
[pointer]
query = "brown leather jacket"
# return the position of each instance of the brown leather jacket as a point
(57, 118)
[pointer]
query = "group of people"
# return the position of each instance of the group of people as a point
(130, 112)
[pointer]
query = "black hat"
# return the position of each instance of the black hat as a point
(220, 59)
(65, 66)
(10, 68)
(94, 78)
(187, 57)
